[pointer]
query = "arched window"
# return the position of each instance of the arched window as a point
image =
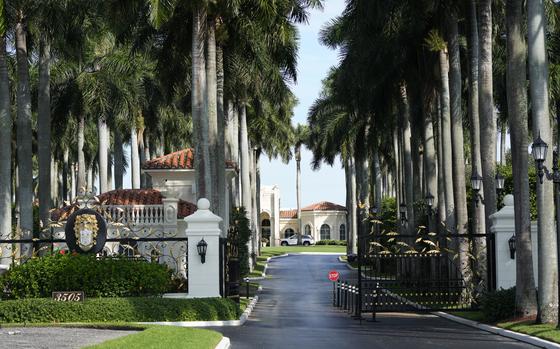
(288, 232)
(342, 232)
(325, 232)
(307, 229)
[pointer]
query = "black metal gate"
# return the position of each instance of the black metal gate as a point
(403, 273)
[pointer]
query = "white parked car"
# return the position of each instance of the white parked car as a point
(306, 240)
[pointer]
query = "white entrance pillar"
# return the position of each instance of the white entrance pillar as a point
(203, 278)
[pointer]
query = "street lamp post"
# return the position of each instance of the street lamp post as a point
(429, 203)
(539, 151)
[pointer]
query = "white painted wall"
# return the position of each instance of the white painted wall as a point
(503, 226)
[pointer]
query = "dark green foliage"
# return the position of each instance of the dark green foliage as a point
(118, 309)
(332, 242)
(498, 305)
(106, 277)
(240, 223)
(388, 215)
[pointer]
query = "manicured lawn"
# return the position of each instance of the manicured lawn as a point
(547, 331)
(280, 250)
(168, 337)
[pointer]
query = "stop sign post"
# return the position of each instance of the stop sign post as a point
(333, 275)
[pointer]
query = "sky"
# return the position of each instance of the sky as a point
(314, 62)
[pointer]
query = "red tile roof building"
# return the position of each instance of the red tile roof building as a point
(179, 160)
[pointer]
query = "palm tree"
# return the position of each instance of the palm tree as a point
(460, 194)
(538, 87)
(525, 297)
(5, 145)
(486, 106)
(478, 210)
(301, 133)
(24, 131)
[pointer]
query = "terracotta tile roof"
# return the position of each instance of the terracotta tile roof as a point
(128, 197)
(179, 160)
(131, 197)
(324, 206)
(288, 213)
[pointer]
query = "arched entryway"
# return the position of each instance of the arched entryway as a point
(288, 232)
(265, 231)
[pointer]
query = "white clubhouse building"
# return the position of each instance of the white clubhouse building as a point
(323, 220)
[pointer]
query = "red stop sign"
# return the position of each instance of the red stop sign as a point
(333, 275)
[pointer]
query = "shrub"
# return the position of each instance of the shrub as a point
(145, 309)
(239, 231)
(331, 242)
(105, 277)
(498, 305)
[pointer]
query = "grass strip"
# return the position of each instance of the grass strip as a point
(169, 337)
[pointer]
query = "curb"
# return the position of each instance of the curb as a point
(224, 344)
(346, 263)
(542, 343)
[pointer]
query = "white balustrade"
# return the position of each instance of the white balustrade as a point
(147, 215)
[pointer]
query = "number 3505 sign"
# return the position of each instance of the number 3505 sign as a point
(68, 296)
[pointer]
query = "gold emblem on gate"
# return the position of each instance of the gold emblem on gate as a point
(85, 229)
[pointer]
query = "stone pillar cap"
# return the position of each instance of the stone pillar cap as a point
(203, 213)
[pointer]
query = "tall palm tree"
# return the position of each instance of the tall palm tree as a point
(5, 145)
(24, 131)
(538, 87)
(301, 133)
(486, 106)
(525, 297)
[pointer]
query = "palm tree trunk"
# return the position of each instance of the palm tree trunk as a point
(408, 174)
(538, 87)
(298, 189)
(441, 175)
(347, 176)
(503, 134)
(80, 183)
(24, 138)
(486, 107)
(5, 156)
(54, 183)
(430, 161)
(44, 132)
(198, 95)
(134, 158)
(479, 225)
(255, 199)
(66, 174)
(362, 181)
(213, 189)
(525, 295)
(102, 133)
(447, 162)
(397, 175)
(459, 183)
(89, 178)
(378, 178)
(221, 142)
(245, 169)
(119, 159)
(236, 181)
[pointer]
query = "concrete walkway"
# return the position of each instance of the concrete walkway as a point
(295, 311)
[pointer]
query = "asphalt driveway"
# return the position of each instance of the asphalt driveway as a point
(295, 311)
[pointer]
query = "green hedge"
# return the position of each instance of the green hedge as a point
(331, 242)
(144, 309)
(106, 277)
(498, 305)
